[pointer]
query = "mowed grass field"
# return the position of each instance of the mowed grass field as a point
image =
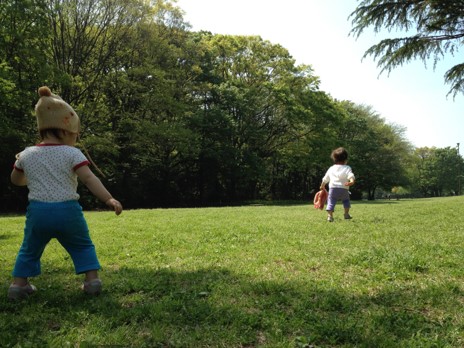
(251, 276)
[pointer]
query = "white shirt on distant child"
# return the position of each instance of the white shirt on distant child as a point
(338, 175)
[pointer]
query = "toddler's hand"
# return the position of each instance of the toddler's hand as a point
(349, 183)
(115, 205)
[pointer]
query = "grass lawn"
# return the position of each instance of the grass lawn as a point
(252, 276)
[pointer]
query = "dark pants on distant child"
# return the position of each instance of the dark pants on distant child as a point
(336, 194)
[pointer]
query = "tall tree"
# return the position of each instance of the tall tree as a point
(298, 166)
(438, 171)
(86, 42)
(437, 29)
(144, 104)
(24, 35)
(252, 90)
(378, 151)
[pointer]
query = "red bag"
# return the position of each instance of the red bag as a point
(320, 199)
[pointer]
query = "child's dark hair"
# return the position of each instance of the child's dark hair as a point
(339, 155)
(55, 132)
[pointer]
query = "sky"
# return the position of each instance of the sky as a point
(316, 33)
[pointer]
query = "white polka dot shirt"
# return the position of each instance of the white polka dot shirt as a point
(50, 171)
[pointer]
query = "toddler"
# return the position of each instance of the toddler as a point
(339, 177)
(50, 170)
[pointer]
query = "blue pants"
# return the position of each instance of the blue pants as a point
(336, 194)
(63, 221)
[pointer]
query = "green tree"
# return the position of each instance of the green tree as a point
(378, 151)
(24, 34)
(143, 101)
(298, 167)
(86, 42)
(249, 98)
(438, 171)
(436, 27)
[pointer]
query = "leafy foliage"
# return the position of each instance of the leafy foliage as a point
(23, 37)
(379, 149)
(437, 30)
(439, 171)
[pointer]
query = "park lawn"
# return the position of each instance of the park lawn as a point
(252, 276)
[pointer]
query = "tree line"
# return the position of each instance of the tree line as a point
(174, 117)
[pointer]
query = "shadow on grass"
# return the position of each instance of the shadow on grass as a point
(376, 202)
(278, 203)
(310, 202)
(214, 307)
(4, 236)
(12, 214)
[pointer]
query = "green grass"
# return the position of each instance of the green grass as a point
(255, 276)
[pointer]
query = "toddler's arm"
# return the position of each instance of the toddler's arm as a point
(323, 184)
(18, 178)
(95, 186)
(349, 183)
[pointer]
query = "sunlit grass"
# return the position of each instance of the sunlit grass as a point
(270, 276)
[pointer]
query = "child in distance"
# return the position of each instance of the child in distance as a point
(339, 177)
